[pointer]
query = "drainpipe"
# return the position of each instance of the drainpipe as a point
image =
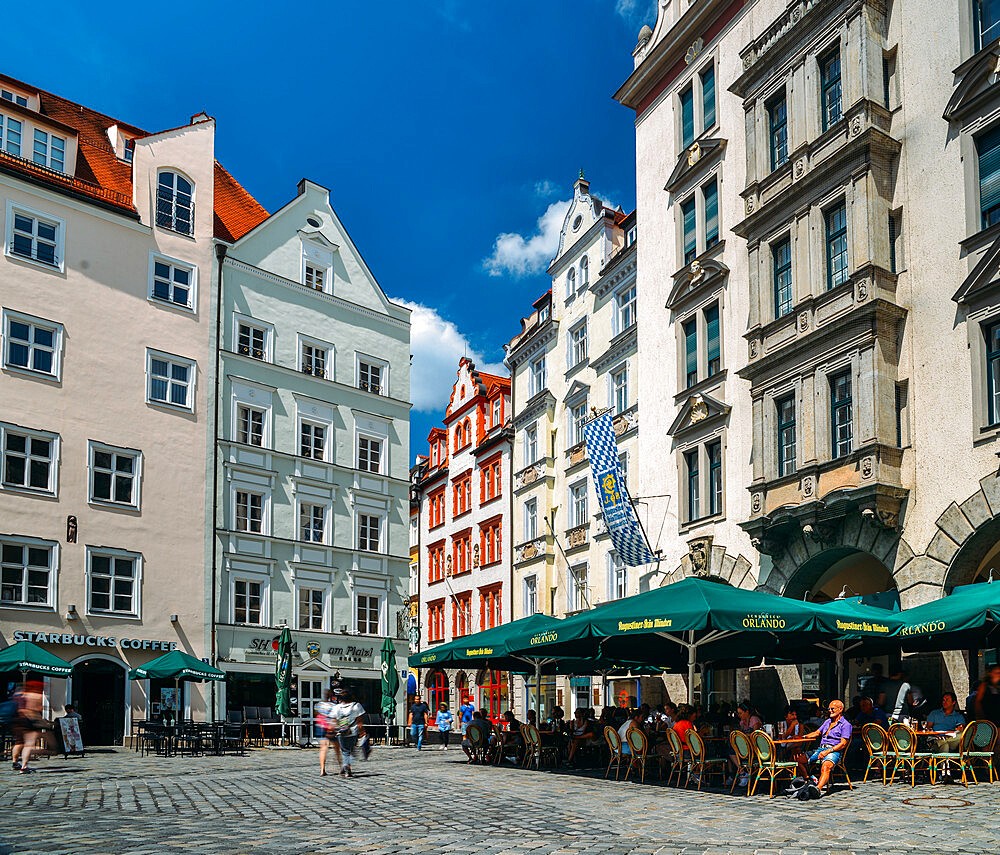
(220, 254)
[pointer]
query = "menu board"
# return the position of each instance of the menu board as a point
(71, 738)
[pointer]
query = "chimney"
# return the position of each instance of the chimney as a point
(198, 118)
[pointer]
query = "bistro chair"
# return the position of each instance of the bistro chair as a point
(477, 743)
(615, 748)
(639, 746)
(904, 743)
(701, 764)
(978, 741)
(743, 751)
(532, 746)
(877, 743)
(767, 761)
(676, 755)
(841, 766)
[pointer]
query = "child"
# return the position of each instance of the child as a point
(444, 722)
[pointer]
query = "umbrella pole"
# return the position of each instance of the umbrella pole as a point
(840, 669)
(538, 687)
(692, 652)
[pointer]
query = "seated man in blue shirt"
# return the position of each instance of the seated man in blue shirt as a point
(947, 717)
(835, 735)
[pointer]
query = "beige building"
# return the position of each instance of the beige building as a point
(576, 354)
(827, 173)
(106, 395)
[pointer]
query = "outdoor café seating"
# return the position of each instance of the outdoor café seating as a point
(977, 746)
(743, 752)
(615, 749)
(701, 764)
(905, 754)
(877, 745)
(768, 763)
(675, 755)
(640, 757)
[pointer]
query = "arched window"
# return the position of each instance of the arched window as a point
(458, 437)
(468, 431)
(584, 272)
(437, 691)
(175, 203)
(494, 700)
(570, 283)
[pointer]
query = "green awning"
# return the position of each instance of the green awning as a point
(176, 665)
(27, 656)
(968, 617)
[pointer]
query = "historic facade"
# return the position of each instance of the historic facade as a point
(856, 334)
(464, 536)
(576, 354)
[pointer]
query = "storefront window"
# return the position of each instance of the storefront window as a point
(494, 699)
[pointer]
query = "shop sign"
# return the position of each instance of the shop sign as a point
(349, 654)
(78, 640)
(810, 677)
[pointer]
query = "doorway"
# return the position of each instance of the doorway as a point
(310, 694)
(99, 697)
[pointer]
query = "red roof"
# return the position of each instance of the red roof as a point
(236, 211)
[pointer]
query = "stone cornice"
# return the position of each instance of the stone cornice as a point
(694, 160)
(621, 268)
(534, 342)
(534, 407)
(623, 344)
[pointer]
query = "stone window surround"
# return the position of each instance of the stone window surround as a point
(699, 444)
(698, 193)
(697, 311)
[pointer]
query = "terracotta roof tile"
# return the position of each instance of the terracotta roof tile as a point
(236, 211)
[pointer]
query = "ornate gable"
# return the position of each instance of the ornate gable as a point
(983, 277)
(577, 390)
(693, 160)
(698, 412)
(976, 85)
(699, 275)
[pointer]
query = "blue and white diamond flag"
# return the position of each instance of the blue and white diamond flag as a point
(619, 515)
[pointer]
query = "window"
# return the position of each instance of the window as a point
(537, 380)
(27, 573)
(577, 588)
(113, 579)
(435, 563)
(312, 523)
(312, 441)
(461, 499)
(310, 608)
(313, 359)
(687, 117)
(369, 532)
(249, 512)
(577, 416)
(128, 150)
(714, 343)
(172, 283)
(49, 150)
(690, 221)
(986, 24)
(174, 204)
(690, 330)
(490, 608)
(247, 602)
(34, 237)
(897, 261)
(171, 380)
(530, 519)
(461, 615)
(369, 454)
(578, 504)
(371, 377)
(836, 246)
(491, 480)
(114, 475)
(530, 445)
(435, 623)
(988, 147)
(841, 411)
(367, 612)
(693, 484)
(250, 425)
(786, 435)
(578, 345)
(530, 596)
(436, 502)
(30, 459)
(10, 135)
(710, 193)
(708, 96)
(617, 577)
(490, 546)
(830, 94)
(461, 553)
(315, 277)
(543, 314)
(778, 126)
(714, 450)
(781, 258)
(571, 283)
(625, 305)
(619, 390)
(584, 272)
(7, 95)
(623, 464)
(902, 414)
(33, 345)
(496, 417)
(992, 334)
(251, 340)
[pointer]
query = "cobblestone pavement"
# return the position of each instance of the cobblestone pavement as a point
(402, 802)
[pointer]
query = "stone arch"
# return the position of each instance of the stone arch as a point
(965, 536)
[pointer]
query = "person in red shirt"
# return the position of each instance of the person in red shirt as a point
(683, 724)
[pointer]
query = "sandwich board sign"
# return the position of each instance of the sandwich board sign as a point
(71, 738)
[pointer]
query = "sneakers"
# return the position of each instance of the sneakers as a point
(743, 780)
(25, 770)
(16, 765)
(350, 774)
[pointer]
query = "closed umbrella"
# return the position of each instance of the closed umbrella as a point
(390, 682)
(283, 674)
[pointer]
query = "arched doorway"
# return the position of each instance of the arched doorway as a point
(494, 699)
(840, 571)
(98, 689)
(437, 691)
(461, 687)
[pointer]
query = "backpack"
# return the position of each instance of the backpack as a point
(802, 789)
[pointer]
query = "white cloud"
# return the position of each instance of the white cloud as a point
(517, 255)
(546, 188)
(437, 345)
(637, 12)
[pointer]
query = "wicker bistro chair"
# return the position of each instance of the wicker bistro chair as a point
(905, 754)
(615, 748)
(768, 762)
(676, 757)
(878, 745)
(534, 751)
(701, 764)
(640, 758)
(977, 745)
(477, 744)
(743, 751)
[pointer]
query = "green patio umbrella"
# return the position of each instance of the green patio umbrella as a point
(390, 681)
(283, 673)
(177, 665)
(26, 656)
(968, 617)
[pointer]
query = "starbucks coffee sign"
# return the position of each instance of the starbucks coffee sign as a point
(80, 640)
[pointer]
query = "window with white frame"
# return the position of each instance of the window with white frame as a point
(312, 522)
(311, 608)
(367, 613)
(49, 150)
(32, 344)
(27, 572)
(34, 236)
(584, 272)
(577, 416)
(530, 519)
(315, 277)
(115, 475)
(249, 511)
(10, 135)
(172, 282)
(619, 390)
(530, 445)
(578, 504)
(250, 425)
(248, 602)
(571, 283)
(624, 309)
(170, 380)
(369, 454)
(317, 266)
(175, 203)
(537, 378)
(252, 340)
(313, 358)
(578, 344)
(369, 532)
(312, 440)
(371, 377)
(496, 412)
(13, 97)
(113, 582)
(530, 595)
(617, 577)
(30, 459)
(577, 588)
(623, 464)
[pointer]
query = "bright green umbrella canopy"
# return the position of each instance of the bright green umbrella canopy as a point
(27, 656)
(968, 617)
(176, 665)
(283, 673)
(390, 680)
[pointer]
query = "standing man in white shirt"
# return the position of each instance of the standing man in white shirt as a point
(346, 714)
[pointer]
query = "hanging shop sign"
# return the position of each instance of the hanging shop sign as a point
(78, 640)
(345, 654)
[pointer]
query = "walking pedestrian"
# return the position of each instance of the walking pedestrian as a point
(465, 712)
(25, 725)
(324, 728)
(444, 721)
(417, 720)
(347, 713)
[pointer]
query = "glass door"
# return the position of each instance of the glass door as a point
(310, 694)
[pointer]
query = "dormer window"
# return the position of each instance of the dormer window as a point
(497, 411)
(128, 150)
(543, 314)
(10, 135)
(317, 267)
(49, 150)
(315, 277)
(175, 203)
(13, 97)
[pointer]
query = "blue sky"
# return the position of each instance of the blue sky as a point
(450, 133)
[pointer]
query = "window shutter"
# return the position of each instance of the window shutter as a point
(691, 347)
(687, 117)
(989, 169)
(711, 192)
(712, 327)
